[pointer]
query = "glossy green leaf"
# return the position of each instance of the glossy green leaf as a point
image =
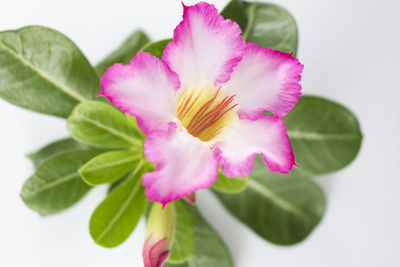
(183, 244)
(117, 216)
(325, 136)
(102, 125)
(56, 185)
(156, 48)
(282, 208)
(109, 166)
(117, 183)
(265, 24)
(271, 26)
(209, 249)
(235, 10)
(55, 148)
(125, 52)
(44, 71)
(229, 185)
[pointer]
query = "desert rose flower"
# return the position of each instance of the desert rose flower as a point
(159, 237)
(202, 105)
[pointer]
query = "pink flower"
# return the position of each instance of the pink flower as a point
(202, 105)
(160, 234)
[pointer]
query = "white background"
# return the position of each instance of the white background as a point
(350, 50)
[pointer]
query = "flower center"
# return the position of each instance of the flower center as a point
(205, 112)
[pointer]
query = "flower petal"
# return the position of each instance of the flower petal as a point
(155, 254)
(266, 135)
(145, 89)
(205, 48)
(265, 79)
(184, 164)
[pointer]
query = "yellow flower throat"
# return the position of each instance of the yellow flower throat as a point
(205, 112)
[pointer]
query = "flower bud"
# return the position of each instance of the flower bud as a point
(160, 233)
(191, 198)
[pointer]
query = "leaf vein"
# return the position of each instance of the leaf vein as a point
(44, 75)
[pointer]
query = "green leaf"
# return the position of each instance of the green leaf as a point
(265, 24)
(55, 148)
(183, 244)
(116, 217)
(102, 125)
(209, 249)
(109, 166)
(125, 52)
(325, 136)
(156, 48)
(44, 71)
(235, 10)
(271, 26)
(282, 208)
(117, 183)
(56, 185)
(229, 185)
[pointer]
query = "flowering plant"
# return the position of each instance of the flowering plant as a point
(218, 106)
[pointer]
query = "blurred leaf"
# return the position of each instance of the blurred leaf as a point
(271, 26)
(125, 52)
(265, 24)
(117, 183)
(209, 249)
(109, 166)
(44, 71)
(117, 216)
(156, 48)
(183, 244)
(229, 185)
(102, 125)
(282, 208)
(56, 185)
(325, 136)
(235, 10)
(55, 148)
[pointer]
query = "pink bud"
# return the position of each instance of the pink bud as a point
(191, 198)
(155, 253)
(160, 231)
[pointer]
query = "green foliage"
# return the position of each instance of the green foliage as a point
(183, 244)
(265, 24)
(109, 166)
(102, 125)
(117, 183)
(56, 185)
(281, 208)
(229, 185)
(125, 52)
(44, 71)
(156, 48)
(55, 148)
(235, 10)
(116, 217)
(209, 249)
(325, 135)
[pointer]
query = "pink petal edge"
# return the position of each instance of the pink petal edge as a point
(265, 79)
(236, 156)
(145, 88)
(184, 164)
(217, 39)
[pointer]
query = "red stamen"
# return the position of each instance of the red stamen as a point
(205, 116)
(214, 120)
(203, 109)
(212, 113)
